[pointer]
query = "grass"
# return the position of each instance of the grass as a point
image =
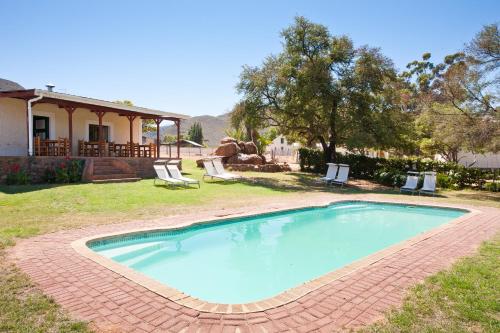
(36, 209)
(465, 298)
(23, 308)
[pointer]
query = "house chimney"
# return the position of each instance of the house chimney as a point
(50, 87)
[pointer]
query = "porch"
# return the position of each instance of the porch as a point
(59, 124)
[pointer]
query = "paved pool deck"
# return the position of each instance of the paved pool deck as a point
(114, 303)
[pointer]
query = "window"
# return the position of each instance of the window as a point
(282, 140)
(41, 127)
(94, 132)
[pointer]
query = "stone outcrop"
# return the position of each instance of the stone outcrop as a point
(227, 149)
(249, 148)
(228, 139)
(242, 156)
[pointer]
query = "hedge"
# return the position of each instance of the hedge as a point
(393, 171)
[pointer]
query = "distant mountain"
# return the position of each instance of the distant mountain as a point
(213, 128)
(6, 85)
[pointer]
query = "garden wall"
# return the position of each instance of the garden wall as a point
(35, 167)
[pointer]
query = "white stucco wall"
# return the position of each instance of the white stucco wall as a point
(13, 138)
(13, 131)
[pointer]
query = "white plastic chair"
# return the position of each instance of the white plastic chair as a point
(162, 174)
(176, 174)
(342, 176)
(330, 173)
(429, 186)
(411, 183)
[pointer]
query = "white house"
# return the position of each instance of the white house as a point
(44, 122)
(39, 128)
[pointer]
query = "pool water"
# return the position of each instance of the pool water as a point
(249, 259)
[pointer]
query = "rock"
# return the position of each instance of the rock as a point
(228, 139)
(241, 144)
(253, 159)
(227, 149)
(250, 148)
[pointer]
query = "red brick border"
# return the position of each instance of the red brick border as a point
(92, 292)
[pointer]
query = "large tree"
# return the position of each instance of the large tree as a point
(455, 102)
(321, 88)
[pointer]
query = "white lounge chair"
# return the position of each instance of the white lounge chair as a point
(411, 183)
(219, 168)
(342, 176)
(176, 174)
(330, 173)
(212, 172)
(429, 186)
(162, 174)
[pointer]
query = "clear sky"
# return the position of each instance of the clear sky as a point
(186, 56)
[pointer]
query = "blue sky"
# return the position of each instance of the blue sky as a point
(186, 56)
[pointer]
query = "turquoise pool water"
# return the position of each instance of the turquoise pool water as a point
(248, 259)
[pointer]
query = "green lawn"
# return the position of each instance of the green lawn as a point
(30, 210)
(465, 298)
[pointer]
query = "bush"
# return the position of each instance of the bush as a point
(16, 175)
(493, 187)
(392, 172)
(69, 171)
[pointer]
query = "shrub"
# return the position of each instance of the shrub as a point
(69, 171)
(492, 186)
(16, 175)
(392, 171)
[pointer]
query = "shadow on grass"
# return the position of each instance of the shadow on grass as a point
(16, 189)
(303, 182)
(490, 196)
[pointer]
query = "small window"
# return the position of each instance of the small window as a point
(282, 140)
(94, 133)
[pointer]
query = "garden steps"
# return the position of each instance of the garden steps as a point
(107, 170)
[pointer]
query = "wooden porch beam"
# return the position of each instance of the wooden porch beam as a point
(131, 123)
(100, 114)
(158, 122)
(178, 124)
(70, 110)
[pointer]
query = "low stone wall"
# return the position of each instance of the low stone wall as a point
(36, 166)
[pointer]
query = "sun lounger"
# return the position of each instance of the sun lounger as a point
(219, 169)
(342, 176)
(176, 174)
(162, 175)
(212, 172)
(411, 182)
(330, 173)
(429, 183)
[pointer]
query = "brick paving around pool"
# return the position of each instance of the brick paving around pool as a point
(113, 303)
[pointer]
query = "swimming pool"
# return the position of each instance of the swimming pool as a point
(244, 260)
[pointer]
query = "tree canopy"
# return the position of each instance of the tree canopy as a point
(320, 88)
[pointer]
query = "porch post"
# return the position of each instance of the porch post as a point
(100, 114)
(70, 111)
(131, 122)
(178, 123)
(158, 122)
(28, 134)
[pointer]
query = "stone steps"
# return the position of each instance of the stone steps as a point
(109, 171)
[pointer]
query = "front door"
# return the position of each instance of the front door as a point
(41, 127)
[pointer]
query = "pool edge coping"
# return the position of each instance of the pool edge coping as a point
(285, 297)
